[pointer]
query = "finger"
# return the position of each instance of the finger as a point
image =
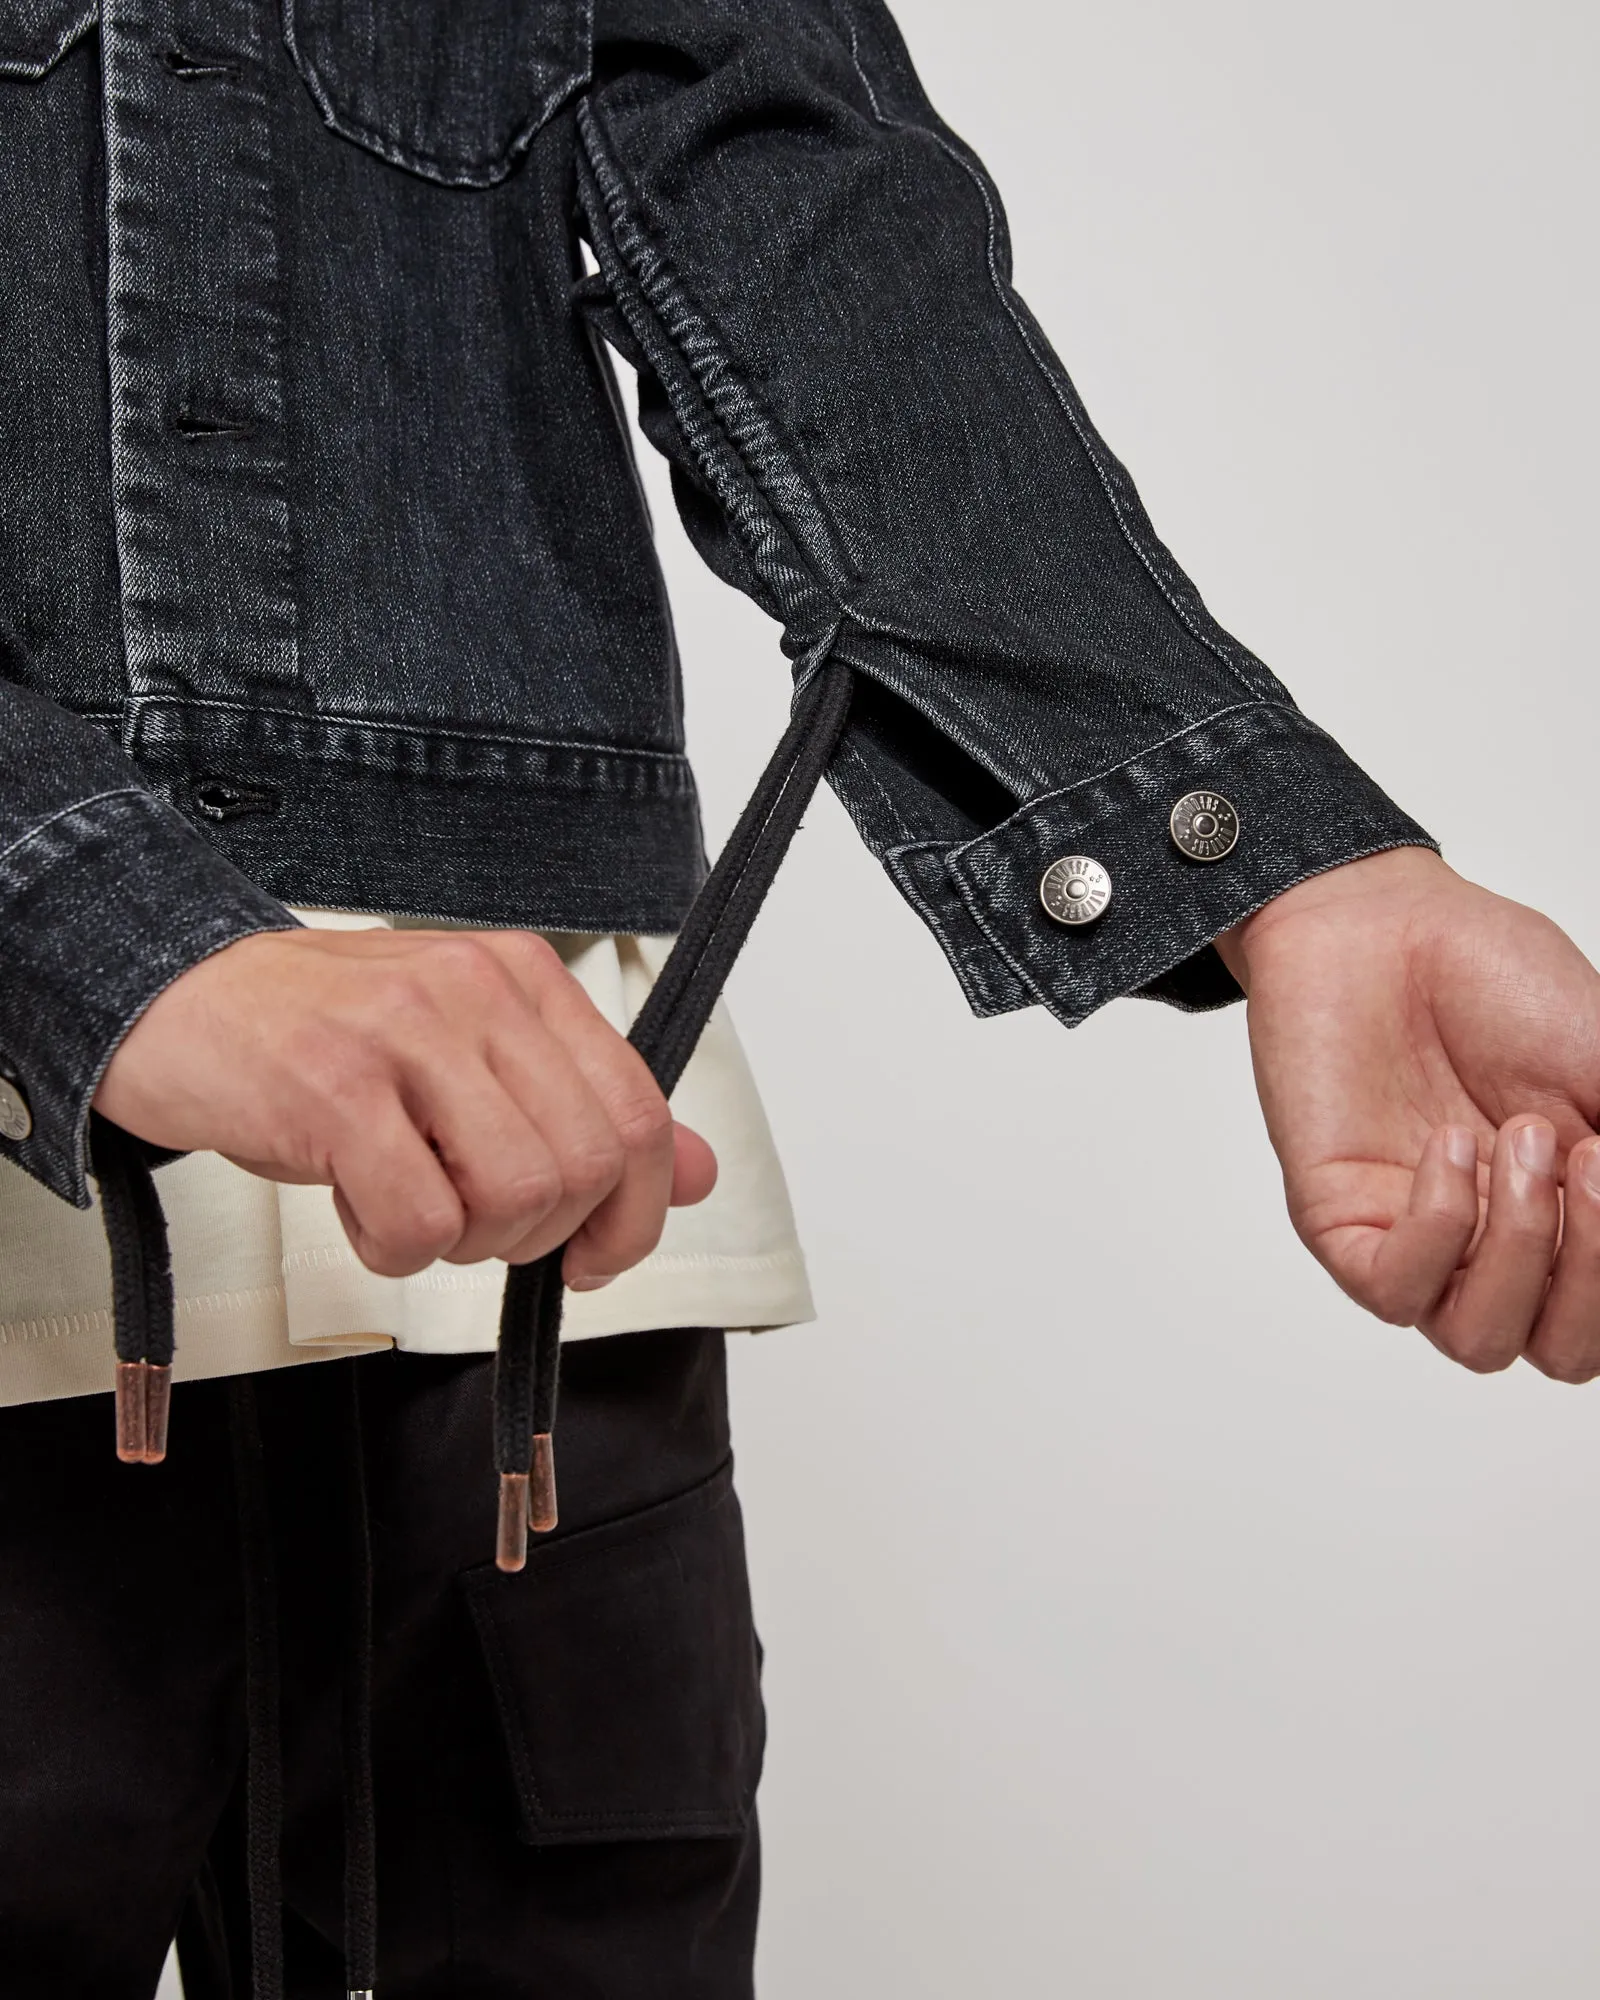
(1566, 1341)
(626, 1226)
(1414, 1259)
(394, 1199)
(694, 1167)
(661, 1163)
(612, 1067)
(1486, 1318)
(616, 1237)
(526, 1145)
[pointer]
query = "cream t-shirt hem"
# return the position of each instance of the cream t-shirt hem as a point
(265, 1276)
(245, 1332)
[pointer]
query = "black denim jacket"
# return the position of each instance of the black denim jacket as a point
(324, 570)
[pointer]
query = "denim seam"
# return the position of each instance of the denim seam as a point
(29, 69)
(1241, 708)
(832, 579)
(659, 290)
(420, 732)
(979, 998)
(417, 159)
(897, 822)
(1084, 436)
(66, 812)
(663, 287)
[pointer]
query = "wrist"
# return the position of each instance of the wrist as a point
(1403, 871)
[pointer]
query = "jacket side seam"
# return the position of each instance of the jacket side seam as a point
(706, 359)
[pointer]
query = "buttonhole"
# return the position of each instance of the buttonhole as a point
(184, 63)
(190, 424)
(221, 798)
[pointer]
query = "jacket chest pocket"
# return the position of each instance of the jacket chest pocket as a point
(453, 90)
(36, 34)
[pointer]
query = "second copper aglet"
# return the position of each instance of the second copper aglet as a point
(144, 1399)
(542, 1485)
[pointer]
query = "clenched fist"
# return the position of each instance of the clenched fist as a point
(457, 1089)
(1428, 1058)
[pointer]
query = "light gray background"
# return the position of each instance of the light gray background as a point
(1143, 1623)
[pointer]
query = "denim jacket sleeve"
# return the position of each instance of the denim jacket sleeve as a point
(871, 435)
(106, 896)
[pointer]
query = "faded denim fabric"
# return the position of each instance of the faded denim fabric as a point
(325, 575)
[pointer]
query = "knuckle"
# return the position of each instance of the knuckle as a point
(1393, 1311)
(1533, 1234)
(519, 1191)
(592, 1167)
(463, 959)
(1481, 1353)
(1448, 1209)
(400, 998)
(1568, 1369)
(530, 952)
(344, 1075)
(408, 1244)
(643, 1120)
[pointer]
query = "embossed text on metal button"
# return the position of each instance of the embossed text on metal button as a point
(16, 1120)
(1075, 889)
(1204, 826)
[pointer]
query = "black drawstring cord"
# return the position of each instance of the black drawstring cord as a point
(141, 1289)
(670, 1023)
(263, 1749)
(360, 1818)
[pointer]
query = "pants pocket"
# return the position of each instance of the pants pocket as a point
(625, 1669)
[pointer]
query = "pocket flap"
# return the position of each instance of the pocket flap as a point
(626, 1671)
(36, 34)
(453, 90)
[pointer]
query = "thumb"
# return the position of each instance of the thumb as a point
(694, 1167)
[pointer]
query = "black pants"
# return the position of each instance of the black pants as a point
(565, 1759)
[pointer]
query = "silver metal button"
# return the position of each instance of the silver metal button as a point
(16, 1120)
(1204, 826)
(1075, 889)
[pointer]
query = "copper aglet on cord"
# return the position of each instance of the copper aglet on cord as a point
(144, 1398)
(542, 1485)
(511, 1542)
(157, 1404)
(133, 1410)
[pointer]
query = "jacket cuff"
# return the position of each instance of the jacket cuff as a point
(101, 908)
(1303, 807)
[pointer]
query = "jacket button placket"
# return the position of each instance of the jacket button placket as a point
(196, 342)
